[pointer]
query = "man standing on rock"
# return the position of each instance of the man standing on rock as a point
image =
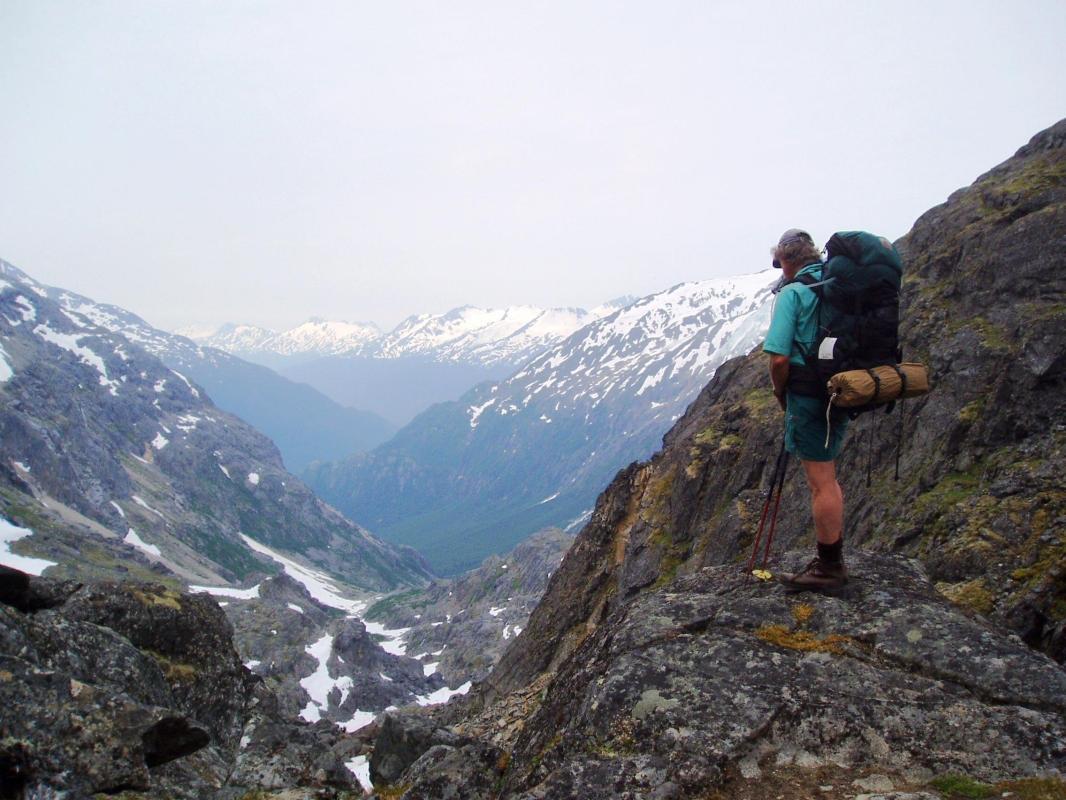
(793, 333)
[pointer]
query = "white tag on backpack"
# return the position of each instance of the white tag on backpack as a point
(826, 348)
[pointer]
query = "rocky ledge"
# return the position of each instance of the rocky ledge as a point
(718, 682)
(137, 688)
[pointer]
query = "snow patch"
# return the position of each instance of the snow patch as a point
(578, 520)
(511, 630)
(476, 411)
(441, 695)
(137, 499)
(429, 669)
(225, 471)
(319, 684)
(226, 591)
(160, 441)
(360, 768)
(495, 612)
(192, 388)
(6, 370)
(10, 533)
(253, 478)
(317, 584)
(71, 342)
(136, 541)
(296, 608)
(360, 719)
(187, 423)
(27, 309)
(393, 637)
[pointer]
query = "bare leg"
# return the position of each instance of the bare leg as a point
(827, 500)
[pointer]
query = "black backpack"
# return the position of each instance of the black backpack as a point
(858, 311)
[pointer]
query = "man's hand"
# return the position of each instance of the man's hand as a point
(779, 369)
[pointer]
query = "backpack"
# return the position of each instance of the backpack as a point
(858, 312)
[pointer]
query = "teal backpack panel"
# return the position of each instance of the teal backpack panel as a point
(865, 249)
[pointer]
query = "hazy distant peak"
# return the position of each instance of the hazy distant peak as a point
(465, 334)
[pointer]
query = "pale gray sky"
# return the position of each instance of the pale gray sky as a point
(263, 162)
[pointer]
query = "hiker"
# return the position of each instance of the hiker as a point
(793, 333)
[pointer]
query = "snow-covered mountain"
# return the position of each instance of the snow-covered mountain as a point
(470, 335)
(475, 476)
(304, 424)
(473, 335)
(316, 337)
(122, 464)
(426, 359)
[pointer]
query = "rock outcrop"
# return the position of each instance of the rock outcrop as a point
(463, 625)
(110, 687)
(321, 662)
(654, 668)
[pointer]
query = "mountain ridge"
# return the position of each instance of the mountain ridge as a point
(512, 456)
(119, 462)
(485, 336)
(305, 424)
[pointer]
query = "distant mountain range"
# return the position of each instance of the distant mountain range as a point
(467, 335)
(474, 476)
(426, 359)
(121, 463)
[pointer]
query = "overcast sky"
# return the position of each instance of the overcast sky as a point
(263, 162)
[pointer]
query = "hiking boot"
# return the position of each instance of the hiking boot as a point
(817, 576)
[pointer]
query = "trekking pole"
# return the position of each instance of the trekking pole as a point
(777, 505)
(899, 439)
(766, 508)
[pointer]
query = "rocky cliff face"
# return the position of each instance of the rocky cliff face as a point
(979, 499)
(654, 668)
(120, 464)
(137, 688)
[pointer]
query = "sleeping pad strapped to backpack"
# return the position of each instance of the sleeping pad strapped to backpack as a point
(858, 311)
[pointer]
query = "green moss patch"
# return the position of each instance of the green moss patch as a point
(973, 595)
(955, 786)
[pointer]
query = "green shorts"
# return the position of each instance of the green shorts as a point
(805, 429)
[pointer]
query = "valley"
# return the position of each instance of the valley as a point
(183, 616)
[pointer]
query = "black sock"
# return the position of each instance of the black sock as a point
(831, 553)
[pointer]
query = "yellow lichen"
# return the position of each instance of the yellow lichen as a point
(804, 641)
(167, 598)
(174, 671)
(802, 612)
(391, 792)
(971, 412)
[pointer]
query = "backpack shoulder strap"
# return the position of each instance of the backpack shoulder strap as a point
(806, 280)
(810, 281)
